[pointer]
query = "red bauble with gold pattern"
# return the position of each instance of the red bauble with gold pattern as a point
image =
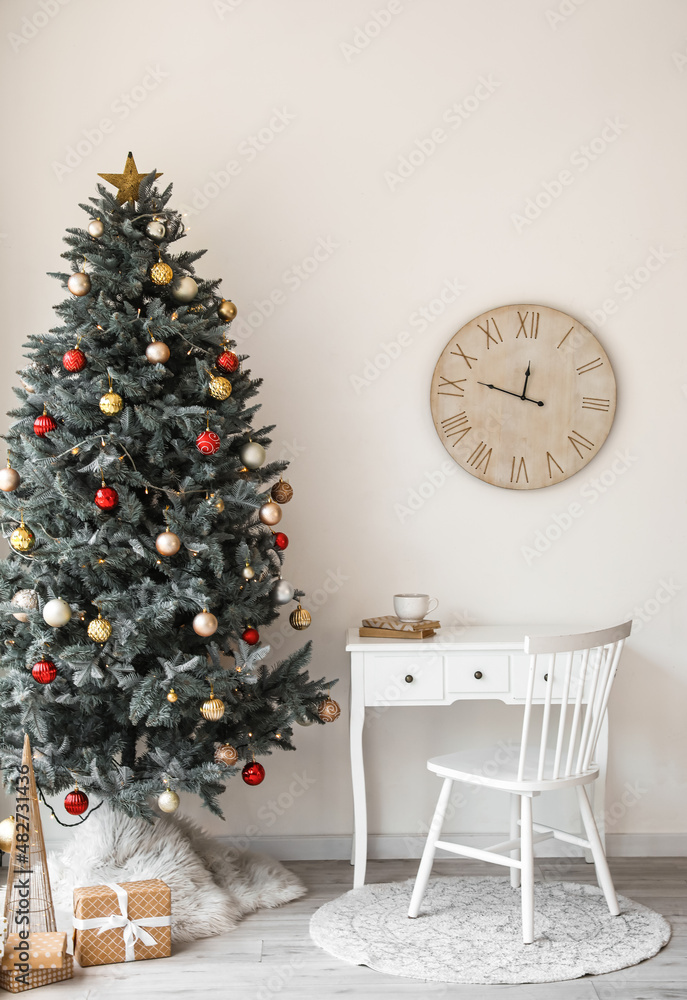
(253, 773)
(44, 671)
(251, 636)
(228, 361)
(76, 802)
(74, 360)
(208, 443)
(43, 425)
(281, 540)
(106, 498)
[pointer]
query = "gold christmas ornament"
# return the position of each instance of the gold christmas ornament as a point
(226, 754)
(27, 599)
(75, 451)
(7, 834)
(248, 572)
(22, 538)
(328, 710)
(157, 353)
(219, 387)
(172, 696)
(300, 619)
(270, 513)
(161, 273)
(79, 284)
(282, 492)
(227, 310)
(9, 479)
(111, 403)
(168, 544)
(99, 629)
(128, 182)
(218, 502)
(168, 801)
(205, 623)
(213, 708)
(96, 228)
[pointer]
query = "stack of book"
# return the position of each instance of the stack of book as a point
(391, 627)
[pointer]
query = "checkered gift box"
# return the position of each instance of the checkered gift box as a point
(122, 922)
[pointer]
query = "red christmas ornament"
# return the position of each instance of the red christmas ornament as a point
(76, 802)
(208, 442)
(253, 773)
(43, 424)
(74, 360)
(251, 636)
(281, 540)
(44, 671)
(228, 360)
(106, 498)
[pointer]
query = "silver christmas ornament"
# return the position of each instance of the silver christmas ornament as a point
(57, 612)
(156, 230)
(9, 479)
(27, 599)
(167, 544)
(205, 623)
(247, 572)
(305, 721)
(184, 289)
(283, 592)
(252, 455)
(96, 228)
(157, 352)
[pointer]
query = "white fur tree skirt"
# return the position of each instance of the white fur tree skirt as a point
(213, 886)
(469, 931)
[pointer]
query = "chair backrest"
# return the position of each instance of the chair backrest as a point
(580, 670)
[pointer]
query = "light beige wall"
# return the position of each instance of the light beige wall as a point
(344, 355)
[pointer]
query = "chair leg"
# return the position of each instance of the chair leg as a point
(427, 861)
(527, 856)
(514, 832)
(603, 874)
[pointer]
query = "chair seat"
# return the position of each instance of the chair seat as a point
(497, 767)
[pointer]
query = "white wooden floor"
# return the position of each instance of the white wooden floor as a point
(270, 956)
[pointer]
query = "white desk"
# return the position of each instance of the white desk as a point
(478, 662)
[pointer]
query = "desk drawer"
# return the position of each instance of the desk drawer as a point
(386, 684)
(472, 674)
(521, 666)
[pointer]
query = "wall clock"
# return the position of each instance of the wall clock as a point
(523, 396)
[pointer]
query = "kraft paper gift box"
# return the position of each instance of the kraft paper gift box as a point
(122, 922)
(45, 950)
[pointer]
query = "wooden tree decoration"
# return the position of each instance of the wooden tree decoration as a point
(28, 870)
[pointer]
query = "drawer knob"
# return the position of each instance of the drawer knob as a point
(546, 677)
(409, 678)
(478, 675)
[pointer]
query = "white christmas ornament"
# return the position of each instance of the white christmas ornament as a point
(252, 455)
(57, 612)
(168, 801)
(283, 592)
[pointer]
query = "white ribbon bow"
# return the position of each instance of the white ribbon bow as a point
(132, 929)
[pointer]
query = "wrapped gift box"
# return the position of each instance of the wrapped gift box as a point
(122, 922)
(16, 981)
(42, 951)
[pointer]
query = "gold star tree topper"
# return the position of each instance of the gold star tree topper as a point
(128, 182)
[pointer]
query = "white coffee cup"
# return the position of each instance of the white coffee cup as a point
(413, 607)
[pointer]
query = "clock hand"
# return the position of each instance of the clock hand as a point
(508, 392)
(527, 375)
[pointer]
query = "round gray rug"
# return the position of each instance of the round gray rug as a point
(469, 931)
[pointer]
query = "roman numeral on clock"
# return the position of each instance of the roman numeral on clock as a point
(590, 366)
(457, 427)
(485, 330)
(460, 353)
(591, 403)
(444, 390)
(578, 441)
(533, 324)
(521, 469)
(549, 460)
(479, 456)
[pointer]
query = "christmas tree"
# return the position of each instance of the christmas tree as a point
(140, 509)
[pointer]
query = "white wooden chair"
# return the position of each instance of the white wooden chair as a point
(578, 680)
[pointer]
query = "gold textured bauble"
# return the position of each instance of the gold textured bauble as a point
(7, 834)
(220, 388)
(99, 629)
(27, 599)
(227, 310)
(205, 623)
(161, 273)
(168, 544)
(79, 284)
(282, 492)
(22, 539)
(328, 710)
(300, 619)
(157, 352)
(212, 709)
(168, 801)
(9, 479)
(270, 513)
(172, 696)
(111, 403)
(226, 754)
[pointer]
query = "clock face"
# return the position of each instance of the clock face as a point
(523, 396)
